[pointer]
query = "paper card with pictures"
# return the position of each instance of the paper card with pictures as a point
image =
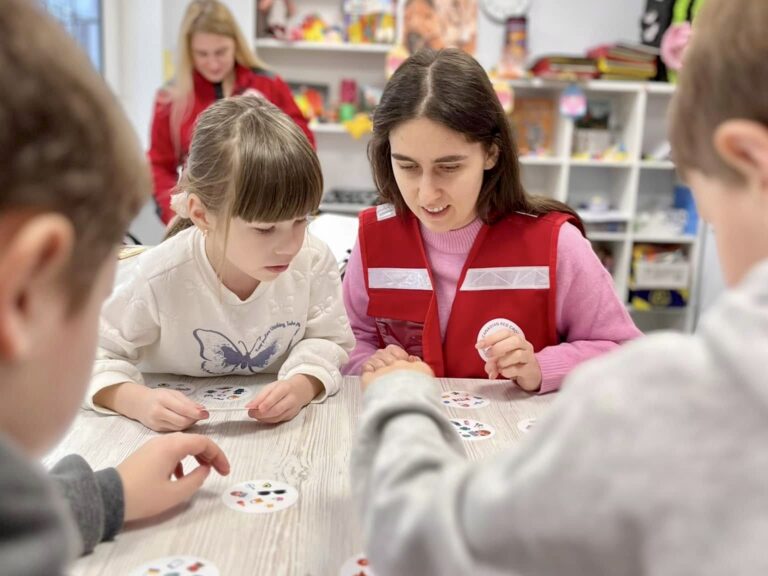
(177, 566)
(358, 565)
(224, 397)
(183, 387)
(472, 430)
(462, 399)
(260, 496)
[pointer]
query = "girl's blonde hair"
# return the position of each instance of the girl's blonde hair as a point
(251, 161)
(212, 17)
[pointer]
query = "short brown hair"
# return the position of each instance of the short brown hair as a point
(724, 77)
(249, 160)
(65, 145)
(451, 88)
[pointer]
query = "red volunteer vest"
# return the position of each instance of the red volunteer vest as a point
(510, 273)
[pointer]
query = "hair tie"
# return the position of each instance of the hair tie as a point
(180, 204)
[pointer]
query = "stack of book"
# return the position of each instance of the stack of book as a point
(625, 61)
(563, 67)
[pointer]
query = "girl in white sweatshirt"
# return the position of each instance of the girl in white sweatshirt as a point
(238, 287)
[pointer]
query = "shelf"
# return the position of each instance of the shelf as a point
(607, 236)
(540, 161)
(661, 239)
(620, 86)
(600, 163)
(589, 85)
(660, 88)
(272, 43)
(657, 164)
(607, 216)
(674, 311)
(328, 128)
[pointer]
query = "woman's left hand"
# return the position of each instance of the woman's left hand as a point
(510, 355)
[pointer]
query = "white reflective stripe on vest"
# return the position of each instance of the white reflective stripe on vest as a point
(399, 278)
(514, 278)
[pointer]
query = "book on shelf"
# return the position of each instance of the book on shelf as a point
(562, 67)
(623, 51)
(625, 61)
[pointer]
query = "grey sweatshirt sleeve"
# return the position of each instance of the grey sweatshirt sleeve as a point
(427, 511)
(36, 532)
(95, 499)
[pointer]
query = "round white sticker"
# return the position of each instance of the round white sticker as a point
(177, 566)
(260, 496)
(223, 394)
(356, 566)
(472, 430)
(494, 326)
(463, 399)
(526, 425)
(183, 387)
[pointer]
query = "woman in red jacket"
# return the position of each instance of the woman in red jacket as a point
(214, 62)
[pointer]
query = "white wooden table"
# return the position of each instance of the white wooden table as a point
(312, 452)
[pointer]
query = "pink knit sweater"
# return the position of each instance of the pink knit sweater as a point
(591, 320)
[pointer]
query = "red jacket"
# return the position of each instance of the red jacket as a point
(510, 273)
(165, 161)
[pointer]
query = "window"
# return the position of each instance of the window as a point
(82, 18)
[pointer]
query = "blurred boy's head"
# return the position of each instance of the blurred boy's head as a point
(719, 128)
(72, 177)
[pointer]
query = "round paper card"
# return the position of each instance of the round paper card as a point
(260, 496)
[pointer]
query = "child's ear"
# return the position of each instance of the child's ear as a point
(492, 156)
(743, 145)
(198, 213)
(32, 262)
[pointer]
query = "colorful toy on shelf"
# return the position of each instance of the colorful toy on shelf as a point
(515, 53)
(312, 100)
(312, 29)
(359, 125)
(348, 91)
(269, 24)
(369, 21)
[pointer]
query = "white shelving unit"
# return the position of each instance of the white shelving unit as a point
(343, 158)
(630, 186)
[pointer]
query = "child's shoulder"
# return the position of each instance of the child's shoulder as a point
(152, 261)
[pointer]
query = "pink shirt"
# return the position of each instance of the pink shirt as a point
(590, 318)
